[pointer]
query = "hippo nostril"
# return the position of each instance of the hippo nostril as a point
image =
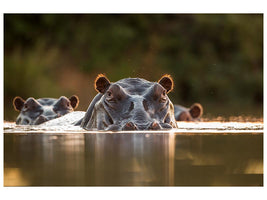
(129, 126)
(154, 126)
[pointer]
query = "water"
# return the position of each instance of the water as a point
(196, 154)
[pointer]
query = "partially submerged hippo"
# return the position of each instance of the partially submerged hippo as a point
(131, 104)
(188, 114)
(36, 111)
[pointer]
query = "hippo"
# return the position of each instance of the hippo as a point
(188, 114)
(36, 111)
(130, 104)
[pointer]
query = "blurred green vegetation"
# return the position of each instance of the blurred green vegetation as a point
(215, 59)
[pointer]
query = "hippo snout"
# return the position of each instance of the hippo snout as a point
(129, 126)
(144, 126)
(154, 126)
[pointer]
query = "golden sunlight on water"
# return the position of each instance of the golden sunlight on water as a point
(13, 177)
(171, 158)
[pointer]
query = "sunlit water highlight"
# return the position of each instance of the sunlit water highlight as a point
(184, 127)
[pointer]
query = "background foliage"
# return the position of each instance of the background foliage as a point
(216, 60)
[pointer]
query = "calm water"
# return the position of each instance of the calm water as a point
(133, 159)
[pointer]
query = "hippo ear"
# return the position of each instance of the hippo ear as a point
(18, 103)
(101, 83)
(74, 101)
(196, 110)
(166, 82)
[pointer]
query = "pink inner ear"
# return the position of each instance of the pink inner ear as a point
(18, 103)
(74, 101)
(196, 110)
(101, 83)
(166, 82)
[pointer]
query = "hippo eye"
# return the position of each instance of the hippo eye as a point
(26, 106)
(68, 104)
(110, 97)
(163, 100)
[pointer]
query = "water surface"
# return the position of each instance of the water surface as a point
(189, 156)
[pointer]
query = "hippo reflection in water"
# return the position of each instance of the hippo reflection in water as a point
(188, 114)
(131, 104)
(36, 111)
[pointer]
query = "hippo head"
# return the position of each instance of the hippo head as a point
(36, 111)
(188, 114)
(131, 104)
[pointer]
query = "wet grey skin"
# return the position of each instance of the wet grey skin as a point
(130, 104)
(193, 113)
(36, 111)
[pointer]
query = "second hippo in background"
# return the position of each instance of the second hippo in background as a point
(36, 111)
(193, 113)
